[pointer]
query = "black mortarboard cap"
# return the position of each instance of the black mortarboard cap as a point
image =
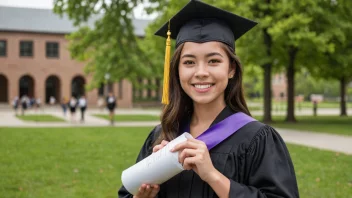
(199, 22)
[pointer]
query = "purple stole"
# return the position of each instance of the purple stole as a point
(224, 129)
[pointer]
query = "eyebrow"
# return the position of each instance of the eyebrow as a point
(208, 55)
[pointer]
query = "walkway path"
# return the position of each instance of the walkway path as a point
(338, 143)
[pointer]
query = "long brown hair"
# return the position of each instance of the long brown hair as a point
(181, 105)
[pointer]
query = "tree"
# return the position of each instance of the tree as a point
(336, 64)
(111, 46)
(295, 35)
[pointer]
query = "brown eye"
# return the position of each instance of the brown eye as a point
(188, 62)
(214, 61)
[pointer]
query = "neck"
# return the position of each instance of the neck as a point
(206, 113)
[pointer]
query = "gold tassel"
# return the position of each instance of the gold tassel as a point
(165, 99)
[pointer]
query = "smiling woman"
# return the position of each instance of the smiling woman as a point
(232, 155)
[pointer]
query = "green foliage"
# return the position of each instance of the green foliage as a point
(112, 46)
(336, 63)
(306, 84)
(253, 80)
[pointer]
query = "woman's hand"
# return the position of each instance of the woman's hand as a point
(147, 191)
(160, 146)
(194, 155)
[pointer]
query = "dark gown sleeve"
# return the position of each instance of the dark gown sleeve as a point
(145, 151)
(270, 171)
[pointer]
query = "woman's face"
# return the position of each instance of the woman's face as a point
(204, 70)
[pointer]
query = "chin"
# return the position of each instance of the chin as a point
(203, 100)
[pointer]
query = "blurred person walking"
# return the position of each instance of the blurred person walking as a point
(52, 100)
(64, 104)
(82, 103)
(111, 105)
(73, 105)
(15, 103)
(24, 103)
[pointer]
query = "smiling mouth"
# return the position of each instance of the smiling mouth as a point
(202, 86)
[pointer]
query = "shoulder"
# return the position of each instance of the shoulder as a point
(154, 134)
(249, 131)
(258, 129)
(263, 138)
(249, 136)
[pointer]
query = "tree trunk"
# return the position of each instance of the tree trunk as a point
(290, 116)
(343, 110)
(267, 79)
(267, 93)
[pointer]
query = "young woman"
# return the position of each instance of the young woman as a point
(82, 103)
(111, 105)
(73, 105)
(206, 92)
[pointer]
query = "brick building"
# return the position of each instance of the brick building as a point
(34, 58)
(279, 87)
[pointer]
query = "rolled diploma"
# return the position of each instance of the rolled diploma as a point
(154, 169)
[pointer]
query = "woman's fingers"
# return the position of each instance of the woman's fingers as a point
(154, 191)
(160, 146)
(186, 144)
(164, 142)
(189, 163)
(147, 191)
(186, 153)
(141, 190)
(156, 148)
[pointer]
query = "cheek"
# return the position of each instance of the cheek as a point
(184, 75)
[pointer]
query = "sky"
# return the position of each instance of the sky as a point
(48, 4)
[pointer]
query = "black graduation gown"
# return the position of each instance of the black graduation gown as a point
(255, 159)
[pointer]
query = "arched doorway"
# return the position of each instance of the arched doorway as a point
(77, 86)
(3, 89)
(26, 84)
(52, 88)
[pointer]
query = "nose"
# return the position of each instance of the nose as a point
(201, 71)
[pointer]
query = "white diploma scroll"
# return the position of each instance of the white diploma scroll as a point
(156, 168)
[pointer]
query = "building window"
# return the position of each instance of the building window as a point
(3, 48)
(26, 48)
(120, 89)
(52, 49)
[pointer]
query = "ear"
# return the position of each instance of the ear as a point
(232, 70)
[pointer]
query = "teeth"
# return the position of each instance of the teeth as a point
(202, 86)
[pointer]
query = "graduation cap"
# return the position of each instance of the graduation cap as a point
(199, 22)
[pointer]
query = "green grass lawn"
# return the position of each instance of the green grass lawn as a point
(87, 162)
(40, 118)
(127, 118)
(322, 124)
